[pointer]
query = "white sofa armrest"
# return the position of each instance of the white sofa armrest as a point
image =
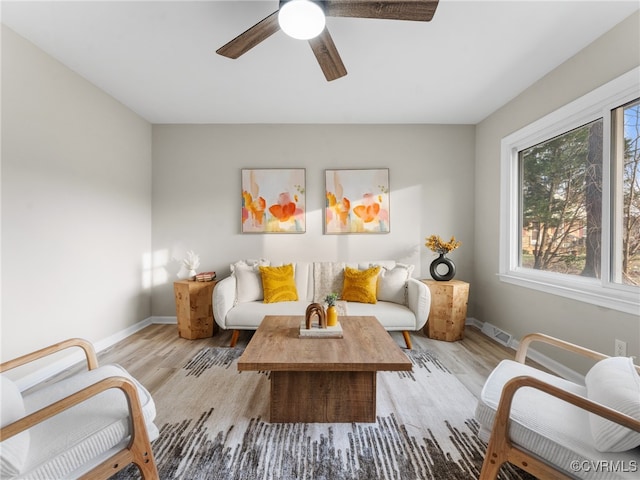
(224, 297)
(419, 301)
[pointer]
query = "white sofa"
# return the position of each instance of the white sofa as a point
(555, 428)
(402, 301)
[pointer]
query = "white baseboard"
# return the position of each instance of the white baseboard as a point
(42, 374)
(111, 340)
(164, 320)
(547, 362)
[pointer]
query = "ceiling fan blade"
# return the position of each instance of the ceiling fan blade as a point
(416, 10)
(250, 38)
(327, 55)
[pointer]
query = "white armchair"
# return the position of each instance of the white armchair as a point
(555, 428)
(88, 425)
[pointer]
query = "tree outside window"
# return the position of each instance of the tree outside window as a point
(561, 185)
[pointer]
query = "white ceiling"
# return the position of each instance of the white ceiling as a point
(158, 58)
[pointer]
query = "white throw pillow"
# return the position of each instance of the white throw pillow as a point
(13, 452)
(248, 280)
(614, 382)
(392, 283)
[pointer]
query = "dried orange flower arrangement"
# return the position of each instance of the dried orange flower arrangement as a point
(436, 244)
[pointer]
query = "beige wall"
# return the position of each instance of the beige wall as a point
(196, 193)
(76, 205)
(520, 310)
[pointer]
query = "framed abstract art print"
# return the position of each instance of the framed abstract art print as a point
(273, 200)
(357, 201)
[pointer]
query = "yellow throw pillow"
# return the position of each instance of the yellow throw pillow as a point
(360, 285)
(278, 284)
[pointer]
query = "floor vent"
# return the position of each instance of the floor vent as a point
(498, 335)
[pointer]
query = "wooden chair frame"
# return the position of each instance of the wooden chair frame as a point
(500, 448)
(138, 450)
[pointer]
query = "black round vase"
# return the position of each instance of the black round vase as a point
(442, 260)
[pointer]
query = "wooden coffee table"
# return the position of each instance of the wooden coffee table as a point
(328, 380)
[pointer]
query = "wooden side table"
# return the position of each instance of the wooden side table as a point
(194, 309)
(448, 309)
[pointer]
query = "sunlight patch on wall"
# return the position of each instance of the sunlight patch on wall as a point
(146, 270)
(154, 268)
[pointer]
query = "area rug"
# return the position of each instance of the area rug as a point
(214, 424)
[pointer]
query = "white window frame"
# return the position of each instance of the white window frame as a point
(594, 105)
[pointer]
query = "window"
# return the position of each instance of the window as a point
(570, 198)
(626, 165)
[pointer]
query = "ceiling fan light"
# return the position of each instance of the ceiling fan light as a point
(301, 19)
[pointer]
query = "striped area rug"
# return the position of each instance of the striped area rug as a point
(213, 424)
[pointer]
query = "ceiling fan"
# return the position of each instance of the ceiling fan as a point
(321, 42)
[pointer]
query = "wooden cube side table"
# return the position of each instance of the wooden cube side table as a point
(194, 309)
(448, 309)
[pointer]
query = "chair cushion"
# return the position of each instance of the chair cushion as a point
(392, 283)
(615, 383)
(360, 285)
(13, 452)
(89, 429)
(248, 280)
(278, 284)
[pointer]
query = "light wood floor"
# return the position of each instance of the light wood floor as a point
(153, 354)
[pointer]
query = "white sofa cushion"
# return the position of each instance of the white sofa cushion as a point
(249, 315)
(535, 417)
(615, 383)
(392, 283)
(392, 315)
(248, 280)
(13, 452)
(304, 280)
(88, 435)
